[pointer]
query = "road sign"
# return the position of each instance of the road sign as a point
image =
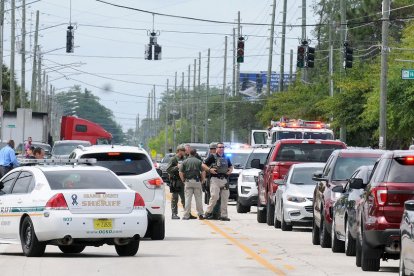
(407, 74)
(11, 126)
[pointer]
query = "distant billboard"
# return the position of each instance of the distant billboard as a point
(253, 84)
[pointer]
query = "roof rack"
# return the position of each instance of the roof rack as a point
(57, 161)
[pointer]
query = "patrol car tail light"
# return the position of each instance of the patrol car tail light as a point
(139, 201)
(57, 202)
(380, 195)
(154, 183)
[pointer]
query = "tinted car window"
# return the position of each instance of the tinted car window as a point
(66, 148)
(259, 137)
(306, 152)
(22, 183)
(318, 135)
(256, 155)
(400, 172)
(344, 167)
(380, 170)
(122, 163)
(8, 181)
(91, 179)
(238, 158)
(278, 135)
(303, 176)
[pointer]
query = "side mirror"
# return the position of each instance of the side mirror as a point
(255, 164)
(409, 205)
(159, 171)
(356, 183)
(279, 182)
(338, 189)
(317, 176)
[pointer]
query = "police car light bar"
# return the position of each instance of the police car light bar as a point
(63, 161)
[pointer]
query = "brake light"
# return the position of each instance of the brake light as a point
(114, 153)
(57, 202)
(407, 160)
(154, 183)
(275, 173)
(139, 201)
(380, 195)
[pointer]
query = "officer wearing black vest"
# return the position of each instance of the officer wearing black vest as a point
(220, 167)
(192, 175)
(176, 186)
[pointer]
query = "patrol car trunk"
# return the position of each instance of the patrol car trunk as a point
(99, 202)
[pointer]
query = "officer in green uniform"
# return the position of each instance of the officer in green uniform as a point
(216, 209)
(176, 186)
(191, 174)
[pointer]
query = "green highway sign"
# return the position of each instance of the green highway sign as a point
(11, 126)
(407, 74)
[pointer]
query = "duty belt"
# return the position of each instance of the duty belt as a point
(221, 176)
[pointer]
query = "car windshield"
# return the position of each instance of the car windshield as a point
(305, 152)
(345, 166)
(255, 155)
(303, 176)
(278, 135)
(318, 135)
(122, 163)
(82, 179)
(238, 159)
(66, 148)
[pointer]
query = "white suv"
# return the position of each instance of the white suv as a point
(133, 165)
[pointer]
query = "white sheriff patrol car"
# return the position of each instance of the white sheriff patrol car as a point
(133, 165)
(70, 206)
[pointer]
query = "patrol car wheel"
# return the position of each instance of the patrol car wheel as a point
(158, 230)
(71, 249)
(30, 244)
(129, 249)
(242, 208)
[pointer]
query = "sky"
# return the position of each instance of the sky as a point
(110, 62)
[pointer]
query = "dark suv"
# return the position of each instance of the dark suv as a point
(284, 154)
(381, 208)
(338, 169)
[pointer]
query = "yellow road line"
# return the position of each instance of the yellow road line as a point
(246, 249)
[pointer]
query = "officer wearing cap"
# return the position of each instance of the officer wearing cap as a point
(206, 185)
(176, 185)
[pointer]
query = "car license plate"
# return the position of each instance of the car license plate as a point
(102, 224)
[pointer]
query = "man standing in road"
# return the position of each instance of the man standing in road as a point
(220, 167)
(176, 185)
(188, 150)
(8, 158)
(206, 188)
(191, 174)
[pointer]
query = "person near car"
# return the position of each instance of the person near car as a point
(216, 209)
(30, 153)
(176, 185)
(8, 158)
(188, 150)
(192, 175)
(28, 145)
(220, 167)
(39, 153)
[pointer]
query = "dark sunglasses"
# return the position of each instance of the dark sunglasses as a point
(220, 147)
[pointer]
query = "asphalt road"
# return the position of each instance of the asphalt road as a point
(194, 247)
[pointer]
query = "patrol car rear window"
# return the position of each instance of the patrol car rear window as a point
(306, 152)
(122, 163)
(91, 179)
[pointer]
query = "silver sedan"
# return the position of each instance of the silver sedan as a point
(294, 196)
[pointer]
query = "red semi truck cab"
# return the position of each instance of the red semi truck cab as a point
(74, 128)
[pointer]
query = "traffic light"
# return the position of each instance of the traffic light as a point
(348, 55)
(148, 52)
(240, 50)
(301, 56)
(310, 57)
(69, 39)
(157, 52)
(153, 48)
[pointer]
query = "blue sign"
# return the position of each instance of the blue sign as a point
(253, 84)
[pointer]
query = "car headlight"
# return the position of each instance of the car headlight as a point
(248, 178)
(296, 199)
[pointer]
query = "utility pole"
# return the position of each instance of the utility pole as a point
(384, 72)
(23, 52)
(166, 120)
(269, 67)
(282, 51)
(182, 97)
(233, 90)
(331, 60)
(35, 48)
(174, 107)
(304, 70)
(342, 129)
(223, 133)
(198, 109)
(155, 112)
(12, 99)
(291, 67)
(188, 92)
(193, 121)
(42, 92)
(238, 64)
(1, 65)
(39, 82)
(207, 94)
